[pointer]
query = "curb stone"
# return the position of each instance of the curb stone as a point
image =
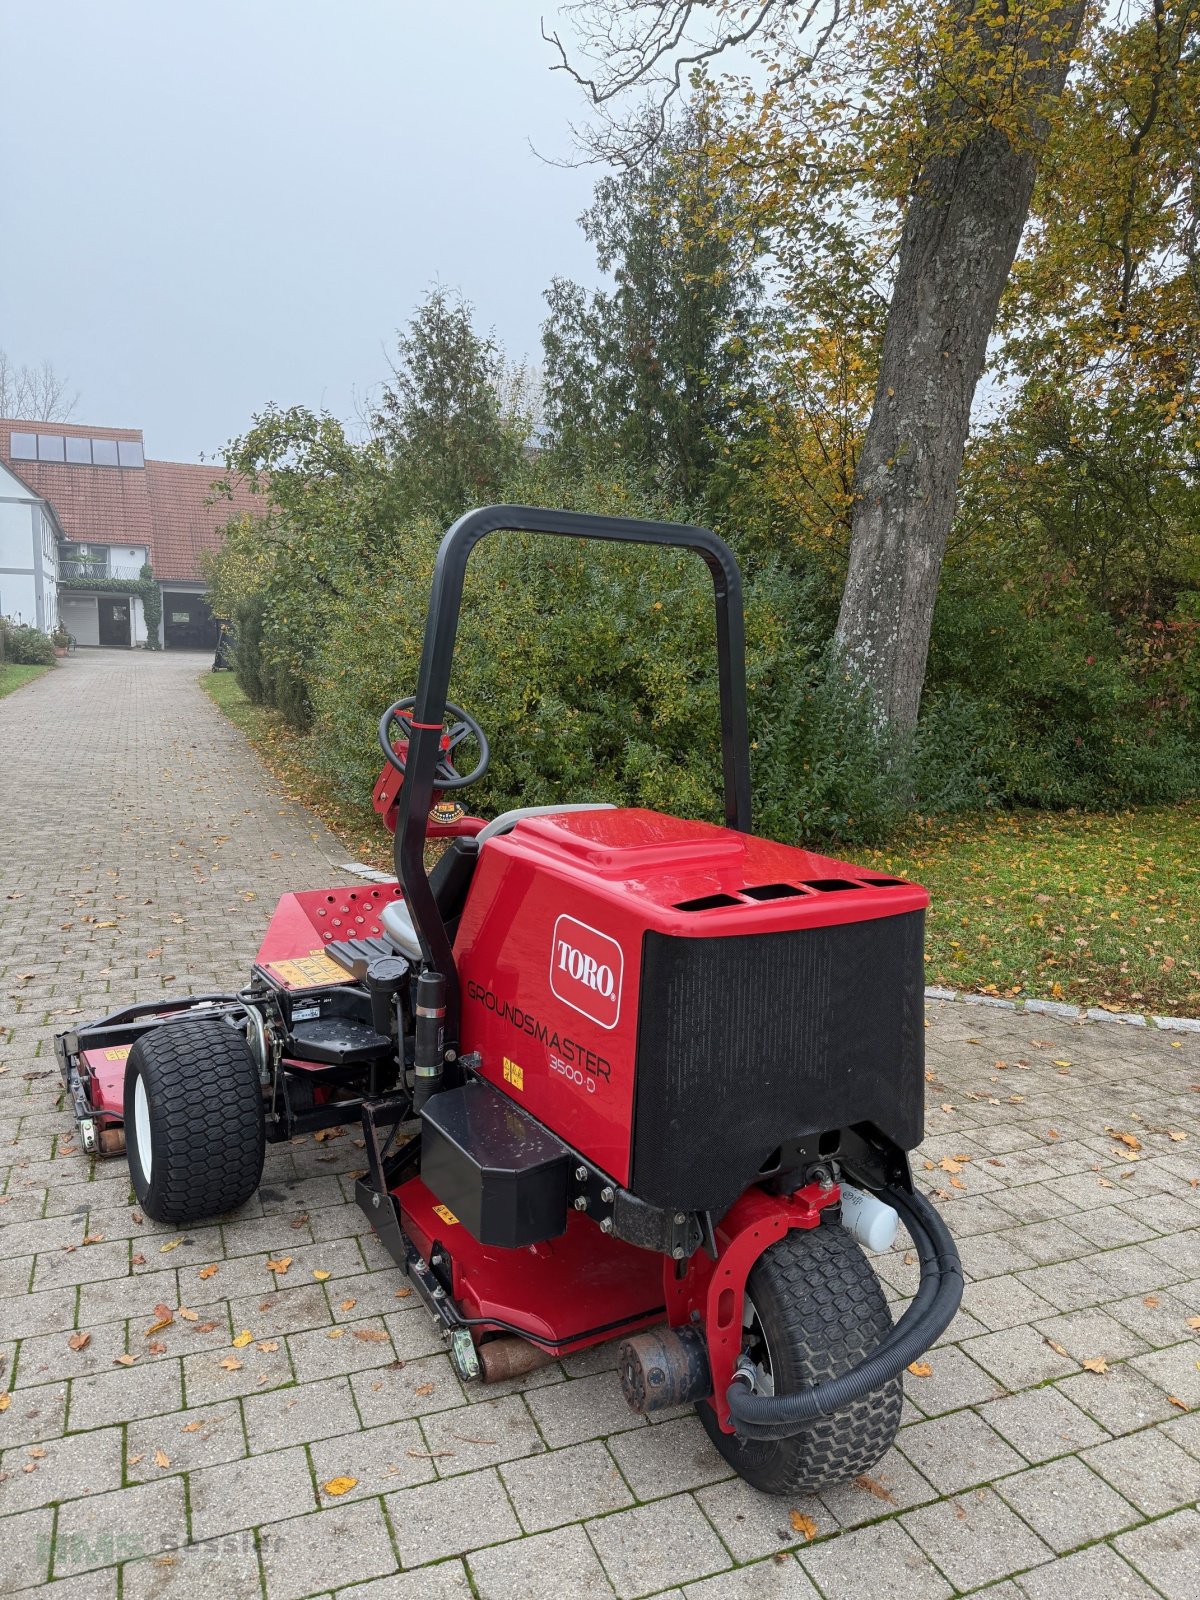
(1060, 1008)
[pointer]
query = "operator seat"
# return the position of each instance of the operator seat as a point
(451, 876)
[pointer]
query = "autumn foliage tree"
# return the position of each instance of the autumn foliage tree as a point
(916, 129)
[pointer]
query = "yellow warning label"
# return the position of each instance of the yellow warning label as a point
(514, 1074)
(119, 1053)
(307, 972)
(446, 1215)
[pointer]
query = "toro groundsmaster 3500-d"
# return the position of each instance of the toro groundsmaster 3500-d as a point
(620, 1075)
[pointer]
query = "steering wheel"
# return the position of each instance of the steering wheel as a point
(461, 726)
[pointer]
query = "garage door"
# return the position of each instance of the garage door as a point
(188, 624)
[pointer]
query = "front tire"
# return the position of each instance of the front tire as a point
(816, 1309)
(194, 1130)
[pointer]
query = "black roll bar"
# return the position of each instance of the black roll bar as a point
(441, 629)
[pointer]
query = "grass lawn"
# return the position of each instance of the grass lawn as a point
(14, 677)
(1078, 906)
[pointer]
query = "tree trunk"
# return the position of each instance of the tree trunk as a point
(960, 236)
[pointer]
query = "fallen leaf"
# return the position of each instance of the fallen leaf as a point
(124, 1361)
(5, 1401)
(873, 1486)
(267, 1346)
(1129, 1140)
(1151, 1300)
(347, 1305)
(207, 1272)
(426, 1388)
(1176, 1401)
(920, 1369)
(949, 1164)
(335, 1333)
(171, 1244)
(1176, 1138)
(403, 1294)
(337, 1486)
(802, 1524)
(243, 1339)
(1194, 1322)
(137, 1217)
(1057, 1348)
(79, 1341)
(187, 1314)
(1094, 1364)
(93, 1238)
(320, 1274)
(157, 1327)
(161, 1458)
(155, 1348)
(371, 1335)
(280, 1264)
(1052, 1133)
(231, 1364)
(204, 1327)
(139, 1260)
(191, 1427)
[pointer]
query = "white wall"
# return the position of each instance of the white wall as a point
(81, 616)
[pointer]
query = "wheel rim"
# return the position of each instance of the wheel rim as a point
(754, 1343)
(141, 1124)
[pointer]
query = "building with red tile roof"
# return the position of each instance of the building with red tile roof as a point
(111, 512)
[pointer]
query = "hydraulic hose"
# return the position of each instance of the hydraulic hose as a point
(762, 1416)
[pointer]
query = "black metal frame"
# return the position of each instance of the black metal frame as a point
(441, 630)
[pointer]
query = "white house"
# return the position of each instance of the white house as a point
(29, 539)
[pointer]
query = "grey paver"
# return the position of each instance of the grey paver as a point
(583, 1408)
(451, 1516)
(494, 1430)
(1150, 1470)
(1067, 1504)
(871, 1561)
(781, 1578)
(1166, 1553)
(297, 1414)
(41, 1474)
(388, 1457)
(1043, 1423)
(753, 1524)
(676, 1455)
(120, 1526)
(123, 1393)
(245, 1494)
(975, 1538)
(27, 1548)
(1121, 1399)
(187, 1438)
(447, 1580)
(210, 1571)
(561, 1563)
(565, 1486)
(344, 1545)
(958, 1451)
(651, 1546)
(1098, 1571)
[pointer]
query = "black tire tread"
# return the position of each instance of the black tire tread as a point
(823, 1311)
(206, 1117)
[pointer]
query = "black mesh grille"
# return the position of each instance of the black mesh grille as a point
(745, 1042)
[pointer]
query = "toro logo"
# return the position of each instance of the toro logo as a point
(586, 967)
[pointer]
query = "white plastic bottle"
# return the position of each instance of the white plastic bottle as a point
(870, 1221)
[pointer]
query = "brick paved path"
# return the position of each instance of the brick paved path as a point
(141, 845)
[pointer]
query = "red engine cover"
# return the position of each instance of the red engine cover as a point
(550, 944)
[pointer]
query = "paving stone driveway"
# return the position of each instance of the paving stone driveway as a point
(141, 847)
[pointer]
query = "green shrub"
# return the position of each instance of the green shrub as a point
(24, 645)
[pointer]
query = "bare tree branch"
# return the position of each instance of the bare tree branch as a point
(34, 394)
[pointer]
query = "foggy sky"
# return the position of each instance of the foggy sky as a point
(210, 204)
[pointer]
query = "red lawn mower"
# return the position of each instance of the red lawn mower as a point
(620, 1075)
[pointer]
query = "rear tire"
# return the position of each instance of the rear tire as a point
(194, 1130)
(817, 1311)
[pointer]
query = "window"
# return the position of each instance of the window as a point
(50, 447)
(129, 452)
(104, 452)
(79, 451)
(23, 446)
